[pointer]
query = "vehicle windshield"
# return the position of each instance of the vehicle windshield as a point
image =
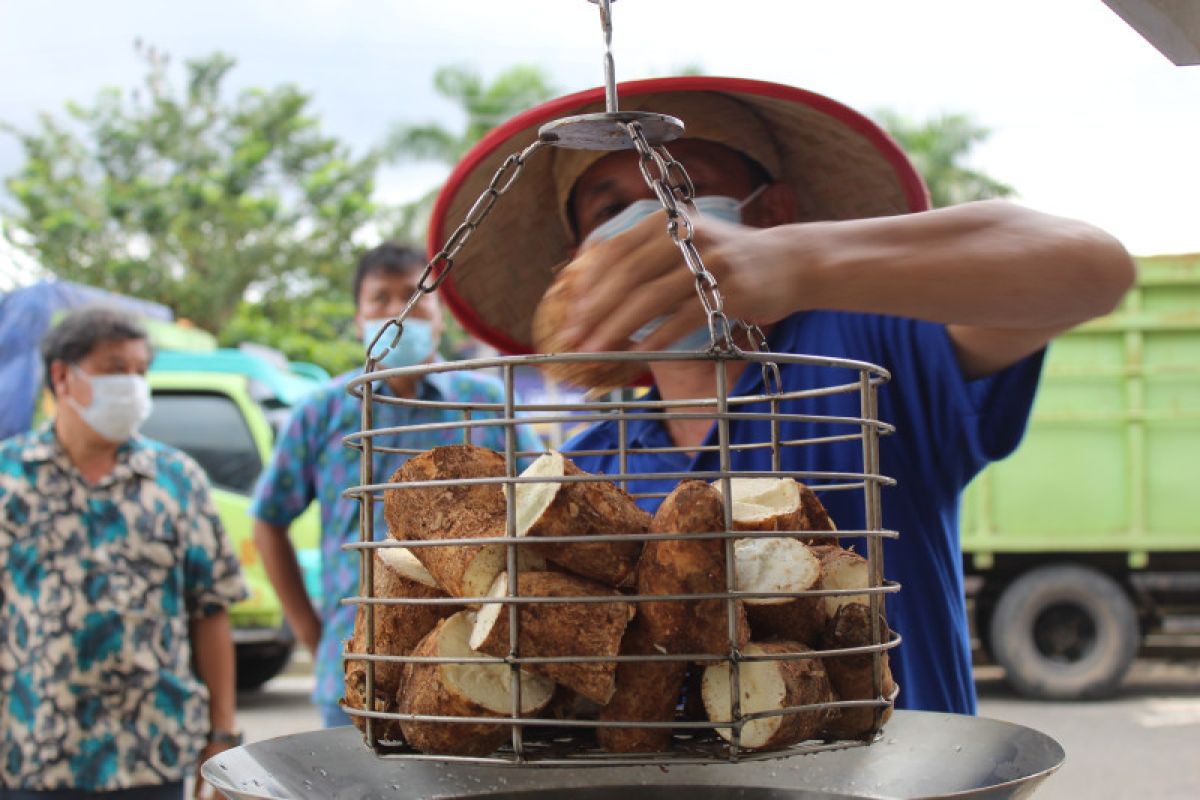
(211, 429)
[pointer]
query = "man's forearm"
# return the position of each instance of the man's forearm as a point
(987, 264)
(283, 570)
(212, 644)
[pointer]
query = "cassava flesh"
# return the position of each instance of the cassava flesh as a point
(585, 508)
(559, 630)
(770, 686)
(780, 565)
(462, 690)
(775, 504)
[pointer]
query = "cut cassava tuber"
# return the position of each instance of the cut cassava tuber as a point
(356, 699)
(775, 504)
(462, 690)
(559, 630)
(647, 691)
(770, 686)
(853, 676)
(550, 320)
(780, 565)
(580, 508)
(688, 566)
(398, 628)
(843, 569)
(454, 512)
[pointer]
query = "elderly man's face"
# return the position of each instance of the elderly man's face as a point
(615, 181)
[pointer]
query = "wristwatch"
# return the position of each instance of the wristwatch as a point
(228, 738)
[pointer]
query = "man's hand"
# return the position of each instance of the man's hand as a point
(640, 276)
(203, 791)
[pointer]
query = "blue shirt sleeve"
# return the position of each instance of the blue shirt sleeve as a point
(288, 484)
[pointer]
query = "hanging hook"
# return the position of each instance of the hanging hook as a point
(610, 69)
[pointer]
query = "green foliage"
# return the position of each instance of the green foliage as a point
(187, 197)
(485, 105)
(318, 330)
(937, 147)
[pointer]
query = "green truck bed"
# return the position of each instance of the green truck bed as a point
(1083, 548)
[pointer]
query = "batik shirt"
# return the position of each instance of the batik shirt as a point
(97, 586)
(311, 462)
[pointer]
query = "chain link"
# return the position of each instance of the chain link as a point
(673, 188)
(502, 181)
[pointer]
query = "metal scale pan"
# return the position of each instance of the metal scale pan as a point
(920, 755)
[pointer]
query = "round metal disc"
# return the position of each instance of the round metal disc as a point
(920, 755)
(603, 131)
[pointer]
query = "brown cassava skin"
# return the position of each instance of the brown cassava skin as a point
(688, 566)
(853, 676)
(425, 692)
(550, 319)
(647, 691)
(566, 629)
(799, 620)
(816, 518)
(806, 683)
(448, 512)
(398, 628)
(590, 508)
(356, 691)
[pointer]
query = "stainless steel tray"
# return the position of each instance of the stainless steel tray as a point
(921, 755)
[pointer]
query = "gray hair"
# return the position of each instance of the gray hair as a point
(77, 334)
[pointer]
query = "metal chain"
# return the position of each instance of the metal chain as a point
(501, 182)
(672, 186)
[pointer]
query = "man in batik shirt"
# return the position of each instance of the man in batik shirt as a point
(115, 575)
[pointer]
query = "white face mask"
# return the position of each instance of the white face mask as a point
(120, 404)
(727, 209)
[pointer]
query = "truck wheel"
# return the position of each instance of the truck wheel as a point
(259, 663)
(1064, 632)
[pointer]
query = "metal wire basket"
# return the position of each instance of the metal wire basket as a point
(570, 741)
(778, 413)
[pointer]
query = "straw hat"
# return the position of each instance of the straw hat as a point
(842, 163)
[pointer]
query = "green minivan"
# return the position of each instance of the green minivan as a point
(224, 408)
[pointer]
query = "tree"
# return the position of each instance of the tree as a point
(937, 147)
(190, 198)
(485, 105)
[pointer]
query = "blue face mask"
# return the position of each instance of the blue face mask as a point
(415, 345)
(726, 209)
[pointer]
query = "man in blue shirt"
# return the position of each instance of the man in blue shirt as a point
(311, 462)
(803, 215)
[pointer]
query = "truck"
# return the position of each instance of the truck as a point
(221, 406)
(1082, 550)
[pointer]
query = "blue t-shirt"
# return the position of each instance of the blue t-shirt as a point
(311, 462)
(947, 430)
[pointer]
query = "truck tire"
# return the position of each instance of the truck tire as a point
(1064, 632)
(257, 664)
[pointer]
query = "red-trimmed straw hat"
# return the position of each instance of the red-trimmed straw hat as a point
(843, 164)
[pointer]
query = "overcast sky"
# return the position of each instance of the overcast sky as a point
(1089, 120)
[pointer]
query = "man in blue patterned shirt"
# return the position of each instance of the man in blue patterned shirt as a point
(115, 575)
(310, 461)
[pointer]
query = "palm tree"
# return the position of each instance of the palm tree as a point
(937, 148)
(486, 105)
